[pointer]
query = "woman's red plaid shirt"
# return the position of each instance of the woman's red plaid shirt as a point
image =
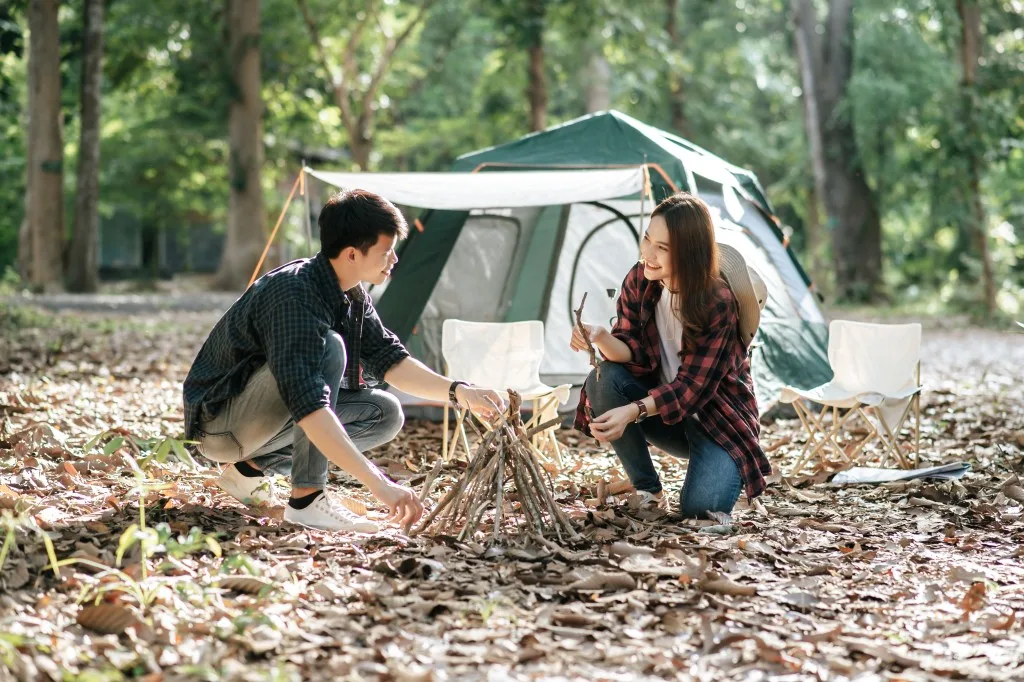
(713, 383)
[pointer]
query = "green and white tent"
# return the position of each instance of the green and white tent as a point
(528, 247)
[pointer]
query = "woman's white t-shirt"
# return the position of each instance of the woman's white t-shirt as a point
(670, 331)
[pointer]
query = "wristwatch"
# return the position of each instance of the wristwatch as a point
(643, 411)
(451, 392)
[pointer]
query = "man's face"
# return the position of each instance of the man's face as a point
(375, 265)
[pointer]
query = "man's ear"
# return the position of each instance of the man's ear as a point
(348, 254)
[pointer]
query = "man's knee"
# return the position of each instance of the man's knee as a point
(607, 392)
(335, 359)
(392, 418)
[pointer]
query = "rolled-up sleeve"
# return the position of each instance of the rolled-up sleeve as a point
(702, 368)
(295, 340)
(380, 349)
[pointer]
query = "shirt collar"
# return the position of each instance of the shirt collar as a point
(326, 281)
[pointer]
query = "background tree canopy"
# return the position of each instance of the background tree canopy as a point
(426, 81)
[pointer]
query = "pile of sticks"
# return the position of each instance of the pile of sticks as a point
(505, 475)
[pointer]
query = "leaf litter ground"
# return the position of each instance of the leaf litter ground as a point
(904, 581)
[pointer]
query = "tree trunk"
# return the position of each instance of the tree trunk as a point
(599, 76)
(970, 54)
(815, 243)
(537, 89)
(45, 204)
(807, 44)
(675, 82)
(245, 237)
(82, 275)
(851, 211)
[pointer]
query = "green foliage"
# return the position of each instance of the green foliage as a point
(459, 83)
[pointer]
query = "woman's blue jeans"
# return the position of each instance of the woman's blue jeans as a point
(712, 478)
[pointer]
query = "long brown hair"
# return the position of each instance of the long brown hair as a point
(694, 255)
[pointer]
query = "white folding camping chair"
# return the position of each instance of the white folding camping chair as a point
(502, 355)
(877, 380)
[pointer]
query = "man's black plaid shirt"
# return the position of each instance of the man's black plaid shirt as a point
(283, 320)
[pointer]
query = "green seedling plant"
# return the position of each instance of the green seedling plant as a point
(11, 523)
(151, 542)
(144, 451)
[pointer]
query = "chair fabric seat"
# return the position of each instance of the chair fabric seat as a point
(835, 395)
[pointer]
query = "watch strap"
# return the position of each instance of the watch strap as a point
(451, 392)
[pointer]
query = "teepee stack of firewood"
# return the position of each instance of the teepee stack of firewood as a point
(505, 477)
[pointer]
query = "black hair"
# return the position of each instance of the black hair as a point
(358, 218)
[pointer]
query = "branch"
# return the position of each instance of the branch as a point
(389, 52)
(338, 81)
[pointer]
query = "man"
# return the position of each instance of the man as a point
(282, 384)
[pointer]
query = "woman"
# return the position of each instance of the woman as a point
(676, 372)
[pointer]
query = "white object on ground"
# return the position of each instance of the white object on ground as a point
(323, 514)
(255, 491)
(944, 472)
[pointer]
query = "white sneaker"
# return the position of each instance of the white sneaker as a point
(649, 500)
(253, 491)
(323, 514)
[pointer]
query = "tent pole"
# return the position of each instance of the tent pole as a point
(273, 234)
(307, 223)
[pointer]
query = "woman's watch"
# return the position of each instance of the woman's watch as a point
(451, 392)
(642, 406)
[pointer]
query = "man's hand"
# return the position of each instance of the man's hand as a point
(578, 343)
(405, 508)
(610, 425)
(482, 401)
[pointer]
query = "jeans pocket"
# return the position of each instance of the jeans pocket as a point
(220, 447)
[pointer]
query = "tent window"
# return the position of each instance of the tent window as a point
(620, 220)
(474, 283)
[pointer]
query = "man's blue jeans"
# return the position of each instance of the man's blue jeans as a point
(256, 425)
(712, 478)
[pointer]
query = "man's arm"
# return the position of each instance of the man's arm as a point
(413, 377)
(329, 436)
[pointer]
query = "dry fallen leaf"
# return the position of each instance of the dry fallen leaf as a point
(108, 619)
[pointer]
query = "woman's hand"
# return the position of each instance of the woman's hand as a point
(610, 425)
(578, 343)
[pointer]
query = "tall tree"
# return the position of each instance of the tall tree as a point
(359, 106)
(245, 236)
(675, 78)
(851, 210)
(809, 97)
(82, 267)
(970, 54)
(44, 204)
(537, 85)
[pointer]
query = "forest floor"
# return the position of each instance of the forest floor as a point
(814, 581)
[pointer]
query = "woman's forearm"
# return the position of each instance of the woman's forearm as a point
(611, 348)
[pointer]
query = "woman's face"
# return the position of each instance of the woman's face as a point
(654, 252)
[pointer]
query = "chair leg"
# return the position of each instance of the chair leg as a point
(460, 415)
(444, 446)
(917, 426)
(812, 426)
(462, 431)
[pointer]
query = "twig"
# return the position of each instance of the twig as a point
(504, 457)
(540, 428)
(586, 336)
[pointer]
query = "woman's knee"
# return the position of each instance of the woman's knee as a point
(712, 484)
(608, 391)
